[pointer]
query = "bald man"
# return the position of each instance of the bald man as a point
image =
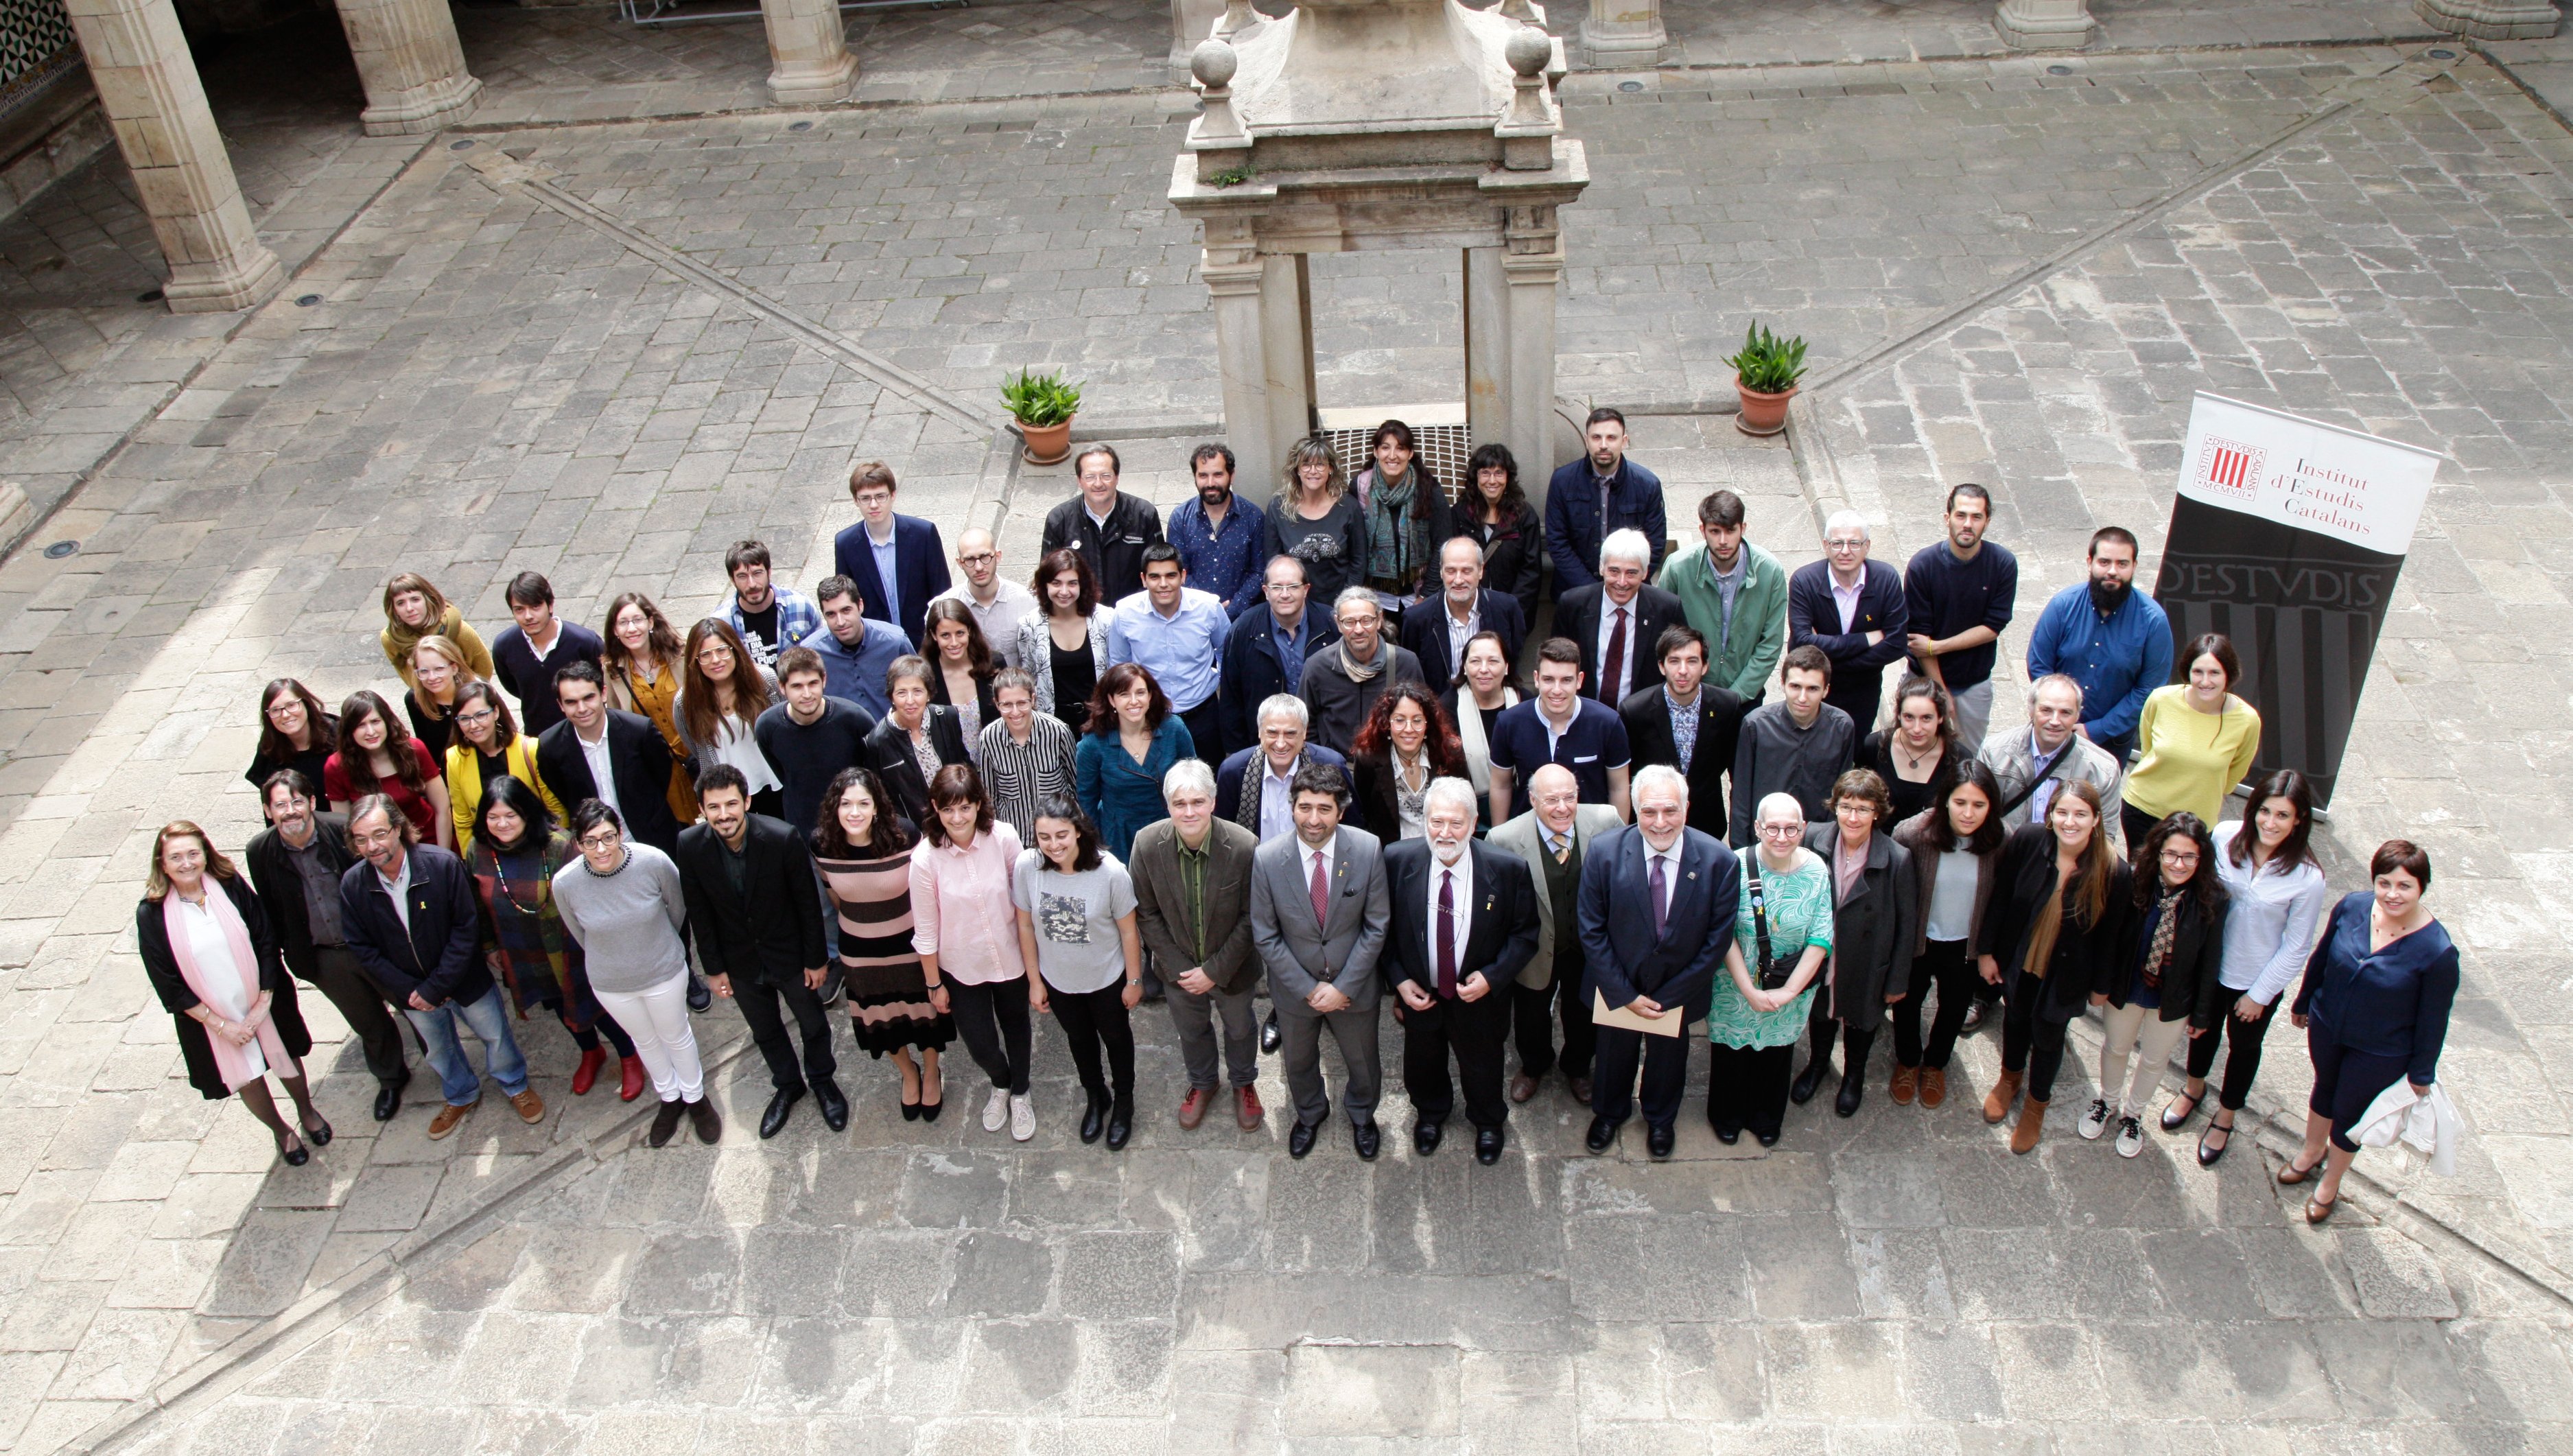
(997, 602)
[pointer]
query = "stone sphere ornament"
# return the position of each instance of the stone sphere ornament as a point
(1214, 62)
(1528, 52)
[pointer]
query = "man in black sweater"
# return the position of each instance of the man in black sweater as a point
(295, 864)
(527, 657)
(755, 909)
(810, 736)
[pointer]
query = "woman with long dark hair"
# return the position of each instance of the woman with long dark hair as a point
(722, 692)
(1497, 515)
(2154, 1001)
(1118, 765)
(1956, 845)
(863, 848)
(1406, 742)
(373, 759)
(2057, 930)
(294, 733)
(1407, 515)
(640, 656)
(1915, 754)
(969, 956)
(205, 948)
(1063, 642)
(515, 852)
(2277, 893)
(1077, 931)
(961, 665)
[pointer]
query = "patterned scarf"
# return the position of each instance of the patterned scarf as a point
(2166, 929)
(1254, 781)
(1396, 545)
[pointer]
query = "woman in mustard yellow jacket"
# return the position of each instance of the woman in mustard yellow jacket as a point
(487, 745)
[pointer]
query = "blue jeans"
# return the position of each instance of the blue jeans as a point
(490, 1022)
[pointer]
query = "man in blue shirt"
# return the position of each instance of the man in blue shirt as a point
(1599, 494)
(1958, 596)
(1175, 632)
(1561, 726)
(2111, 638)
(855, 648)
(1217, 534)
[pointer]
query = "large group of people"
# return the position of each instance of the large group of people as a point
(1322, 749)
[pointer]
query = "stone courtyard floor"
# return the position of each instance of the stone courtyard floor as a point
(640, 317)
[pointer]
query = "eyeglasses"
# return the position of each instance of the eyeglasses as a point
(1097, 478)
(1845, 545)
(1780, 831)
(714, 654)
(979, 558)
(479, 715)
(2179, 858)
(602, 839)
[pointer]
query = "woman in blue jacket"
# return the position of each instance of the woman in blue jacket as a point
(2374, 1006)
(1118, 765)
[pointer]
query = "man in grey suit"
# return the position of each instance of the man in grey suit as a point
(1318, 912)
(1552, 838)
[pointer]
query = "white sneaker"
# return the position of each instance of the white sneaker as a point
(995, 1110)
(1023, 1119)
(2131, 1136)
(2094, 1122)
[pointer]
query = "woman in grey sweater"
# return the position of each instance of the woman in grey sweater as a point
(622, 903)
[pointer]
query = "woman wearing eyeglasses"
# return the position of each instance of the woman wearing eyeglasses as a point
(623, 904)
(1782, 932)
(488, 748)
(2154, 1000)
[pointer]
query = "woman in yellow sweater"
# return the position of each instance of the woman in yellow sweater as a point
(487, 746)
(2194, 743)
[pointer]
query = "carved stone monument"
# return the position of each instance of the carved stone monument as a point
(1367, 124)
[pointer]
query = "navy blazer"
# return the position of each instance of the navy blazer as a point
(919, 564)
(1858, 670)
(2389, 1003)
(1622, 959)
(1252, 673)
(1235, 768)
(1424, 632)
(1500, 937)
(441, 955)
(1573, 530)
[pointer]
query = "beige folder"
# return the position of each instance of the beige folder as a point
(1670, 1024)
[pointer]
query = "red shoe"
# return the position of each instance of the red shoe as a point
(630, 1085)
(585, 1076)
(1250, 1112)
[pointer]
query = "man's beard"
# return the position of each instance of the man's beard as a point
(2108, 596)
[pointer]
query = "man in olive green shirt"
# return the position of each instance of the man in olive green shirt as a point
(1734, 592)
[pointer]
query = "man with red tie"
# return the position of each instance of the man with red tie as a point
(1617, 620)
(1464, 926)
(1319, 919)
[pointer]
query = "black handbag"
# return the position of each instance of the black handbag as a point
(1773, 972)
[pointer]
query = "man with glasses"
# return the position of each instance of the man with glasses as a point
(1343, 681)
(896, 560)
(1108, 528)
(997, 604)
(1265, 653)
(1852, 608)
(1218, 533)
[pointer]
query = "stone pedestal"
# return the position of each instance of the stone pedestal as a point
(2046, 25)
(1625, 33)
(147, 84)
(409, 60)
(2492, 19)
(808, 52)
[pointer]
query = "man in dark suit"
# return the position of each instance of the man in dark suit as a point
(425, 953)
(1658, 906)
(1576, 522)
(896, 560)
(295, 865)
(1318, 919)
(1264, 654)
(1686, 706)
(1853, 609)
(1464, 926)
(1108, 528)
(1616, 620)
(1436, 633)
(592, 736)
(1256, 788)
(755, 912)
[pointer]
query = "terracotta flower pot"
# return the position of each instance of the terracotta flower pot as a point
(1763, 414)
(1047, 444)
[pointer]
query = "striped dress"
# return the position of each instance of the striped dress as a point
(889, 1008)
(1020, 776)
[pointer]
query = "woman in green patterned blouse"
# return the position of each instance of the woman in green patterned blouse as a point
(1751, 1033)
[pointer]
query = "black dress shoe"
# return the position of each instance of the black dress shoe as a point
(389, 1099)
(700, 995)
(1366, 1138)
(1300, 1141)
(774, 1119)
(1847, 1102)
(1487, 1146)
(1660, 1141)
(835, 1108)
(319, 1137)
(1726, 1136)
(1603, 1136)
(1808, 1082)
(1270, 1035)
(1768, 1140)
(1425, 1135)
(1121, 1122)
(1094, 1117)
(296, 1157)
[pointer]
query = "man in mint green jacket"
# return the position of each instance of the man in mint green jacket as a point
(1734, 592)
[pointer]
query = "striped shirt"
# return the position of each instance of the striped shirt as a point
(1021, 776)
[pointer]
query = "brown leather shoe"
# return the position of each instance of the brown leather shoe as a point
(1905, 1079)
(1522, 1088)
(449, 1118)
(1580, 1089)
(703, 1118)
(2030, 1125)
(1247, 1109)
(1192, 1108)
(1934, 1085)
(532, 1109)
(1997, 1103)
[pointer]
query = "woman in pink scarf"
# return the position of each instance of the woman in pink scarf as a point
(207, 950)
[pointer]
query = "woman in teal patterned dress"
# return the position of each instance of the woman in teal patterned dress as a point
(1751, 1033)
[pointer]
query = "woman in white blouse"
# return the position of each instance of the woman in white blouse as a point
(1475, 703)
(2279, 898)
(722, 692)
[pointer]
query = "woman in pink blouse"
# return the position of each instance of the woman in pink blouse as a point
(968, 952)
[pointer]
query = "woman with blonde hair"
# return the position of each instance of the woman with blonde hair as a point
(720, 699)
(640, 659)
(2060, 925)
(207, 950)
(1317, 520)
(438, 672)
(415, 609)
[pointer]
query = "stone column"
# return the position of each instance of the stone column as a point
(410, 62)
(2046, 25)
(1532, 262)
(2492, 19)
(1488, 347)
(147, 84)
(1625, 33)
(808, 50)
(1286, 357)
(1236, 275)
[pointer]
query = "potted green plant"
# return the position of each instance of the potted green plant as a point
(1043, 405)
(1766, 372)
